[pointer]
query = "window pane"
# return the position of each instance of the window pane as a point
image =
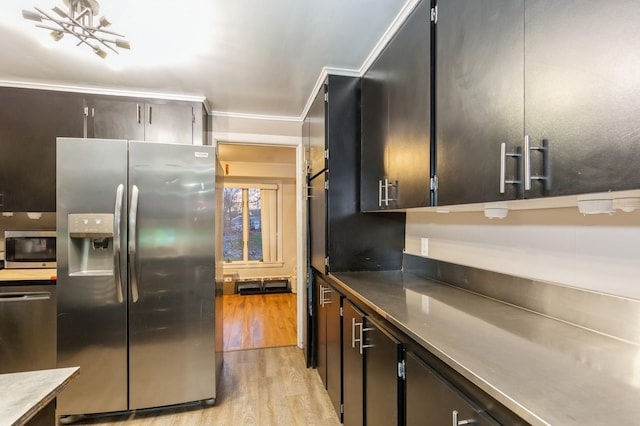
(232, 224)
(255, 224)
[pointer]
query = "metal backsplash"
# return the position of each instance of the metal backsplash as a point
(612, 315)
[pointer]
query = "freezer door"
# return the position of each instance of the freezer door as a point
(172, 274)
(92, 314)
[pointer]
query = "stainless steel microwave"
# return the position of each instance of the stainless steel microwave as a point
(29, 249)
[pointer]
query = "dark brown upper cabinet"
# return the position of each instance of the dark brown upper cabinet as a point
(396, 119)
(111, 117)
(30, 122)
(536, 99)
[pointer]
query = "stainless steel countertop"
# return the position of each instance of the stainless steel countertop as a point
(546, 371)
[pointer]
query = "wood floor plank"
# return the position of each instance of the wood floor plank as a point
(259, 321)
(265, 387)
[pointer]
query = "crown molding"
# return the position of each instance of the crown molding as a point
(104, 91)
(320, 81)
(391, 31)
(253, 116)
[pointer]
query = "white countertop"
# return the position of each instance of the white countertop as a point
(22, 395)
(546, 371)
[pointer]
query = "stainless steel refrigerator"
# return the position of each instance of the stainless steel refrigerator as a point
(139, 306)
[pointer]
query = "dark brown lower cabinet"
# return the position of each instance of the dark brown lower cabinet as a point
(430, 399)
(329, 357)
(353, 366)
(384, 389)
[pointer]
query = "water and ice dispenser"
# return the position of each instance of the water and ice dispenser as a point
(91, 244)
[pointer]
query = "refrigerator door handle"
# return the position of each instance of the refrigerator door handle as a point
(117, 217)
(133, 237)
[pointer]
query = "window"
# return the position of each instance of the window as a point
(251, 222)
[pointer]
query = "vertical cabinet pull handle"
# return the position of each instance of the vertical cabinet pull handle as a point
(503, 167)
(117, 217)
(386, 192)
(309, 190)
(527, 163)
(546, 163)
(353, 332)
(326, 301)
(456, 422)
(383, 186)
(362, 331)
(355, 340)
(138, 119)
(150, 113)
(322, 292)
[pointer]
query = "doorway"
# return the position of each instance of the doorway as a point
(259, 245)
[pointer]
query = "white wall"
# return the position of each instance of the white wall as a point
(255, 126)
(265, 131)
(597, 252)
(273, 131)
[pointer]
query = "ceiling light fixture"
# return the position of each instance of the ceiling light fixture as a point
(78, 22)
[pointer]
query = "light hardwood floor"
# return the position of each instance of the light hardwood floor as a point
(258, 387)
(266, 386)
(259, 321)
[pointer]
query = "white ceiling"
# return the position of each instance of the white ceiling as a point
(244, 56)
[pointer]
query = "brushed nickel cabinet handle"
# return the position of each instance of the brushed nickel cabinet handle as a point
(527, 163)
(503, 167)
(456, 422)
(546, 164)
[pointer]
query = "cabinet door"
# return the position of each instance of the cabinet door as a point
(479, 98)
(330, 341)
(116, 118)
(30, 122)
(306, 126)
(383, 388)
(408, 145)
(333, 303)
(200, 125)
(431, 400)
(318, 224)
(375, 129)
(170, 122)
(582, 81)
(317, 132)
(321, 356)
(352, 366)
(310, 300)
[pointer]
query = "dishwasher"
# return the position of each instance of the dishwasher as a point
(27, 326)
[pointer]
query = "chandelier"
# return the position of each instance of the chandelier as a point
(77, 21)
